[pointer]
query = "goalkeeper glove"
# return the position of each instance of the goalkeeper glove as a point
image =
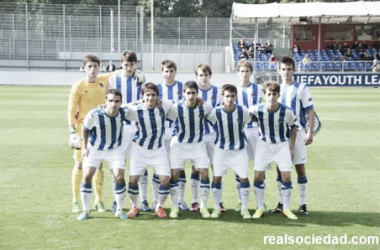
(139, 76)
(75, 140)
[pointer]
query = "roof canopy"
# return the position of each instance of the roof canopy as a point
(351, 12)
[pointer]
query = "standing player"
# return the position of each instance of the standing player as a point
(148, 148)
(188, 144)
(274, 121)
(298, 98)
(212, 95)
(85, 95)
(129, 82)
(170, 89)
(230, 151)
(248, 94)
(102, 138)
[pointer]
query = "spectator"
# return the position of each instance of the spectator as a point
(251, 52)
(360, 47)
(295, 49)
(306, 60)
(348, 53)
(243, 54)
(377, 56)
(268, 47)
(330, 46)
(365, 45)
(355, 45)
(366, 57)
(345, 47)
(81, 69)
(241, 44)
(337, 46)
(102, 68)
(376, 45)
(272, 59)
(110, 67)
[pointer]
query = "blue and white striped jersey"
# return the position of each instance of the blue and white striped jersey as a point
(249, 96)
(151, 124)
(173, 92)
(230, 135)
(127, 87)
(298, 98)
(105, 132)
(274, 126)
(213, 96)
(189, 122)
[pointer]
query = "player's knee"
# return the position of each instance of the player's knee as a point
(175, 174)
(165, 181)
(244, 180)
(301, 172)
(259, 176)
(217, 179)
(204, 173)
(286, 176)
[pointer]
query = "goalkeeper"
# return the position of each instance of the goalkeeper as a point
(85, 95)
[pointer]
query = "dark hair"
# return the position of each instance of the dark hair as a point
(244, 63)
(114, 92)
(271, 85)
(230, 88)
(149, 85)
(168, 64)
(129, 56)
(190, 85)
(287, 61)
(90, 58)
(204, 67)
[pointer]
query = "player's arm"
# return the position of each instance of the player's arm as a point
(293, 134)
(85, 142)
(73, 105)
(309, 135)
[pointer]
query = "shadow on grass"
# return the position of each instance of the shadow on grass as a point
(322, 218)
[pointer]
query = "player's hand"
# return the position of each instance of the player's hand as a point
(308, 139)
(200, 101)
(75, 140)
(139, 76)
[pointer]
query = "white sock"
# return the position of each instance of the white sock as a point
(85, 195)
(259, 188)
(174, 192)
(163, 193)
(120, 193)
(133, 192)
(181, 183)
(244, 194)
(205, 190)
(143, 185)
(155, 185)
(238, 184)
(286, 192)
(302, 186)
(195, 186)
(216, 194)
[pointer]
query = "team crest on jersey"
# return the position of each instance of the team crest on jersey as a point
(280, 121)
(201, 116)
(161, 113)
(253, 95)
(213, 98)
(101, 85)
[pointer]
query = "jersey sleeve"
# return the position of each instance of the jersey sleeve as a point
(172, 113)
(307, 99)
(131, 115)
(211, 117)
(73, 104)
(111, 82)
(290, 118)
(88, 122)
(207, 108)
(246, 116)
(253, 110)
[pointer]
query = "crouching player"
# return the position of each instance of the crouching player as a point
(188, 144)
(274, 121)
(230, 151)
(148, 148)
(102, 137)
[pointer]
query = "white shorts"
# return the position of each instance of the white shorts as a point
(237, 160)
(252, 135)
(113, 157)
(300, 155)
(266, 153)
(180, 152)
(141, 158)
(129, 132)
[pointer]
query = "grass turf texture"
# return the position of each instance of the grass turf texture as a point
(35, 183)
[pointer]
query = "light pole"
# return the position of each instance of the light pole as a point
(118, 26)
(152, 33)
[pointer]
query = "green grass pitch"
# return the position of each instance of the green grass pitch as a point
(35, 183)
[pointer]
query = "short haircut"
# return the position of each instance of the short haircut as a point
(90, 58)
(287, 61)
(204, 67)
(230, 88)
(244, 63)
(149, 86)
(114, 92)
(168, 64)
(271, 85)
(190, 85)
(128, 56)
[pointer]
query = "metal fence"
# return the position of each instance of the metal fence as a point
(58, 36)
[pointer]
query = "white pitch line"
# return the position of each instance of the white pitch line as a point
(342, 120)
